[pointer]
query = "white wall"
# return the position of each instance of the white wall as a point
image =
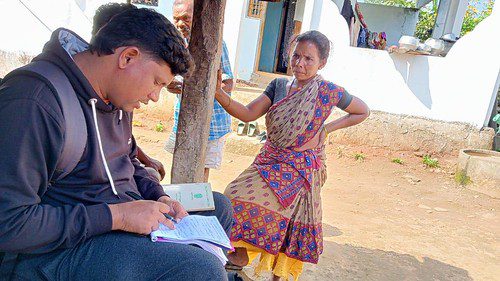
(30, 34)
(459, 87)
(246, 40)
(233, 16)
(23, 32)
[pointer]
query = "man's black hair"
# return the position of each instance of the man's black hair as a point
(148, 30)
(104, 13)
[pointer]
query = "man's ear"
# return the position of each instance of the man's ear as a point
(128, 56)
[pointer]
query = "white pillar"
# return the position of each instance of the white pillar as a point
(233, 15)
(450, 17)
(308, 14)
(312, 14)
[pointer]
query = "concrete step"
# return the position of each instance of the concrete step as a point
(262, 79)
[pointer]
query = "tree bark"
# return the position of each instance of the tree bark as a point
(198, 92)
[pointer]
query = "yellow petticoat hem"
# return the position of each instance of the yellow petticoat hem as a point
(281, 265)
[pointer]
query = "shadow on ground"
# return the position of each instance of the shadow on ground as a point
(348, 262)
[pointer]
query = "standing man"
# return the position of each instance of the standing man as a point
(220, 123)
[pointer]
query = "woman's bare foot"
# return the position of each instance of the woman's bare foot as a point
(239, 257)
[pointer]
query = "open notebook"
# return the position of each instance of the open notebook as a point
(203, 231)
(192, 196)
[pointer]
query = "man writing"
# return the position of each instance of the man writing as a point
(67, 228)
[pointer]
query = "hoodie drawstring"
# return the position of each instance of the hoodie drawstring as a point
(93, 102)
(120, 116)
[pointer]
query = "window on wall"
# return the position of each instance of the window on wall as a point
(255, 8)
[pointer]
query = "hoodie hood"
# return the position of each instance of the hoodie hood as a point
(61, 48)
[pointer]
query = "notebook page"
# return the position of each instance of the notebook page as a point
(195, 227)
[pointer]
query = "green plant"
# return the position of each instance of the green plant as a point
(430, 162)
(473, 16)
(136, 123)
(461, 178)
(359, 156)
(397, 161)
(425, 24)
(159, 127)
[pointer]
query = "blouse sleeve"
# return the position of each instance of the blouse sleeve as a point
(342, 99)
(270, 90)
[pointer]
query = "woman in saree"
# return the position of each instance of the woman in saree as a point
(276, 201)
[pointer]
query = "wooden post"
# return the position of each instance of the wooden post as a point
(198, 92)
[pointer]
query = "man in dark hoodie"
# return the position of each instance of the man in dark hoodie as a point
(85, 225)
(102, 16)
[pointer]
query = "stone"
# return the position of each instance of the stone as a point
(439, 209)
(422, 206)
(412, 179)
(419, 153)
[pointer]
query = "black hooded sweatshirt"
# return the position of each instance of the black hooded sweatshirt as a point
(37, 216)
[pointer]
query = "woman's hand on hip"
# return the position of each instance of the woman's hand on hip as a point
(317, 141)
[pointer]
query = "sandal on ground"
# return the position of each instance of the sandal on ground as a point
(241, 128)
(252, 127)
(262, 137)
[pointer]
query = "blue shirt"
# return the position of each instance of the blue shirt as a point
(220, 122)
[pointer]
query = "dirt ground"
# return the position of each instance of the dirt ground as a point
(381, 220)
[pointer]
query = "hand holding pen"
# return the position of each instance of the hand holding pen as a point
(141, 216)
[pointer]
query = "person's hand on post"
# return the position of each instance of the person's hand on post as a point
(175, 87)
(176, 209)
(142, 216)
(219, 84)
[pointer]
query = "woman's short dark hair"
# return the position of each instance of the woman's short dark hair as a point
(318, 39)
(149, 31)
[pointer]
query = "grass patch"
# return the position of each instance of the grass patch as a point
(359, 157)
(397, 161)
(461, 178)
(159, 127)
(430, 162)
(137, 123)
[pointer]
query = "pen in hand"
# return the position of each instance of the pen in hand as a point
(136, 196)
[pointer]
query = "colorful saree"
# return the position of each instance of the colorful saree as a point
(276, 201)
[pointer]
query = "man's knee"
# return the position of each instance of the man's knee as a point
(223, 203)
(208, 267)
(224, 211)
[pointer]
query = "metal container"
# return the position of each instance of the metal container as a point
(437, 46)
(450, 37)
(409, 43)
(424, 48)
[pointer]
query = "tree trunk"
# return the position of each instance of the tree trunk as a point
(198, 92)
